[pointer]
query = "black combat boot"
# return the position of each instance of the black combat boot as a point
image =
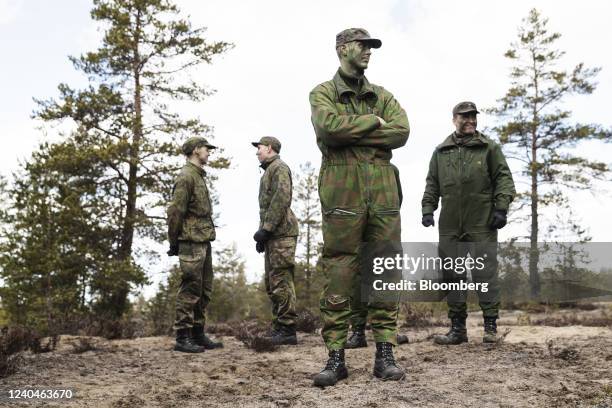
(284, 335)
(357, 339)
(456, 335)
(334, 370)
(185, 344)
(490, 330)
(201, 339)
(385, 366)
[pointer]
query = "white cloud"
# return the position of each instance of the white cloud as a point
(9, 10)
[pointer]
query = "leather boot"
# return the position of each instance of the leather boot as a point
(357, 339)
(490, 330)
(456, 335)
(334, 371)
(385, 366)
(201, 339)
(285, 335)
(185, 344)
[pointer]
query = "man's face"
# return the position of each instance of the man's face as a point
(357, 54)
(264, 152)
(465, 123)
(202, 154)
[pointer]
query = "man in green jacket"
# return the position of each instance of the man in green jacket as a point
(277, 237)
(468, 171)
(357, 125)
(190, 231)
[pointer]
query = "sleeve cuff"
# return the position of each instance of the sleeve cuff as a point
(428, 210)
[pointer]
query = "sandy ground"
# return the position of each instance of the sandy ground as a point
(536, 366)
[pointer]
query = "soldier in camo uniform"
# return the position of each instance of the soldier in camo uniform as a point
(277, 237)
(357, 125)
(190, 231)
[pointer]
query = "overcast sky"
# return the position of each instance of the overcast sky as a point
(434, 54)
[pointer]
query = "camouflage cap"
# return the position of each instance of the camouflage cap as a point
(464, 107)
(273, 142)
(356, 34)
(194, 142)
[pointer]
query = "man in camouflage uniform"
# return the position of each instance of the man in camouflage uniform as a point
(469, 172)
(357, 125)
(190, 231)
(277, 237)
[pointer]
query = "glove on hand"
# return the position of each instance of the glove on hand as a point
(262, 235)
(499, 219)
(260, 247)
(173, 251)
(428, 220)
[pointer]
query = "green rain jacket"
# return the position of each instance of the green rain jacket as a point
(190, 211)
(275, 189)
(473, 179)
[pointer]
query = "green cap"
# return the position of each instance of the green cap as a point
(356, 34)
(464, 107)
(194, 142)
(273, 142)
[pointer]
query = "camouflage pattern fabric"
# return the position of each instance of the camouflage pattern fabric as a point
(280, 265)
(196, 284)
(472, 178)
(275, 189)
(190, 211)
(359, 309)
(359, 194)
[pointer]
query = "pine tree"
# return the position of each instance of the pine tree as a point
(124, 120)
(536, 131)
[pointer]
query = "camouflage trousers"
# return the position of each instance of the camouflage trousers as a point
(360, 204)
(279, 266)
(481, 245)
(196, 284)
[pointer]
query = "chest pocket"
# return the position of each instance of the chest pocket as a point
(477, 167)
(200, 198)
(448, 170)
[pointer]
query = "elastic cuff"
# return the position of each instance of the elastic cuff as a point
(427, 210)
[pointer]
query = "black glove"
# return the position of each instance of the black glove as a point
(262, 235)
(499, 219)
(428, 220)
(173, 251)
(260, 247)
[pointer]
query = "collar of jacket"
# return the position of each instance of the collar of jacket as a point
(477, 140)
(198, 169)
(267, 162)
(366, 91)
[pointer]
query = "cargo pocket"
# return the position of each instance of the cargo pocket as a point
(191, 259)
(282, 252)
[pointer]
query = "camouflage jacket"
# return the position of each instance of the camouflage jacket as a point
(275, 189)
(347, 126)
(473, 179)
(190, 211)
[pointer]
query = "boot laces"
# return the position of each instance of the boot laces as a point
(386, 352)
(334, 361)
(490, 325)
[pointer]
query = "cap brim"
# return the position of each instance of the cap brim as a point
(210, 146)
(372, 42)
(466, 111)
(256, 144)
